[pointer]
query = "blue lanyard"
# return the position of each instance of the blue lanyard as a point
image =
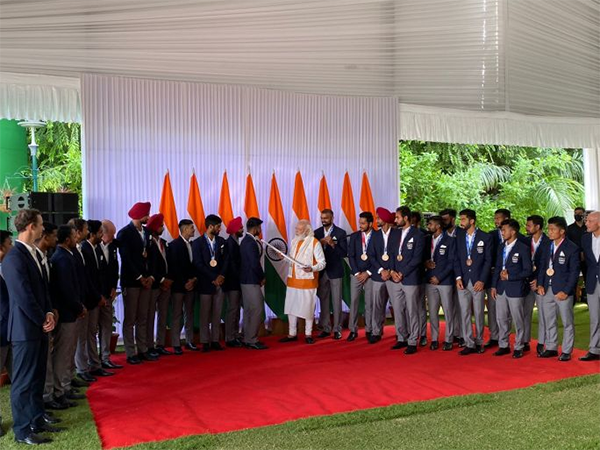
(470, 242)
(505, 253)
(211, 246)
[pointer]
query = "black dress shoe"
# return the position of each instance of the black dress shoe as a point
(102, 373)
(526, 347)
(289, 339)
(79, 383)
(502, 351)
(45, 428)
(205, 348)
(467, 351)
(352, 336)
(323, 334)
(234, 344)
(410, 350)
(368, 334)
(539, 349)
(50, 420)
(73, 396)
(216, 346)
(374, 338)
(163, 351)
(337, 335)
(63, 401)
(257, 346)
(399, 344)
(518, 354)
(461, 343)
(491, 343)
(423, 341)
(447, 346)
(310, 340)
(86, 377)
(434, 345)
(54, 405)
(152, 351)
(33, 439)
(177, 351)
(147, 357)
(590, 357)
(480, 348)
(548, 354)
(111, 365)
(564, 357)
(193, 347)
(133, 360)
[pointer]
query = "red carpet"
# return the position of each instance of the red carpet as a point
(236, 389)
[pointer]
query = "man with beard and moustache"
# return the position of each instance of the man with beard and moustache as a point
(591, 249)
(360, 279)
(575, 233)
(472, 270)
(231, 286)
(538, 241)
(449, 219)
(136, 283)
(252, 279)
(335, 246)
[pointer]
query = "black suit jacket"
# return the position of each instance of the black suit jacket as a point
(592, 266)
(251, 271)
(157, 264)
(376, 251)
(355, 252)
(202, 256)
(181, 268)
(443, 256)
(232, 277)
(94, 271)
(65, 286)
(481, 257)
(110, 269)
(334, 256)
(29, 298)
(133, 258)
(519, 267)
(566, 267)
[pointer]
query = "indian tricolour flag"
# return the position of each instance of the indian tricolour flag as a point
(324, 201)
(348, 223)
(276, 270)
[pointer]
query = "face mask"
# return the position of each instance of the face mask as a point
(578, 217)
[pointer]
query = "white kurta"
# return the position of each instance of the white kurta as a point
(301, 302)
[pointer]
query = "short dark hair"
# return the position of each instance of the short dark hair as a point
(253, 222)
(49, 228)
(536, 220)
(327, 211)
(64, 233)
(212, 219)
(436, 219)
(404, 211)
(560, 222)
(4, 235)
(25, 217)
(579, 208)
(94, 226)
(416, 215)
(77, 223)
(185, 223)
(448, 212)
(505, 212)
(367, 215)
(469, 214)
(512, 223)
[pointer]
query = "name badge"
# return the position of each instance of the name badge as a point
(515, 258)
(443, 250)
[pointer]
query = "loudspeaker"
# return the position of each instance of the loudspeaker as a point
(59, 218)
(63, 202)
(41, 201)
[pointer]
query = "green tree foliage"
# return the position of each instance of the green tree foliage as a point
(527, 181)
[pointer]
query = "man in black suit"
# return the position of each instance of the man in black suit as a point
(6, 245)
(335, 247)
(590, 242)
(210, 260)
(575, 233)
(30, 320)
(179, 259)
(231, 286)
(110, 281)
(252, 279)
(136, 283)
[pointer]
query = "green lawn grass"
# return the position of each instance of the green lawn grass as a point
(561, 414)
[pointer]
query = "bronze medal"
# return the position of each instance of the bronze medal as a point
(364, 257)
(469, 262)
(550, 271)
(400, 257)
(213, 263)
(534, 268)
(385, 257)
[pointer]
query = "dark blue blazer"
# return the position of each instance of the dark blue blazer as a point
(355, 252)
(232, 277)
(181, 269)
(518, 265)
(202, 256)
(334, 256)
(133, 262)
(94, 272)
(251, 271)
(376, 250)
(110, 270)
(481, 255)
(66, 289)
(566, 268)
(412, 255)
(4, 309)
(592, 273)
(29, 298)
(157, 265)
(443, 257)
(537, 259)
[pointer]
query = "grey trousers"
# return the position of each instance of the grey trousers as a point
(469, 300)
(135, 301)
(183, 305)
(440, 295)
(105, 316)
(422, 311)
(65, 344)
(492, 320)
(551, 309)
(456, 313)
(531, 300)
(86, 356)
(507, 308)
(254, 310)
(355, 290)
(210, 316)
(49, 383)
(158, 308)
(594, 307)
(380, 298)
(330, 289)
(232, 315)
(405, 301)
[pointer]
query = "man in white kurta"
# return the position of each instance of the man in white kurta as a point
(303, 280)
